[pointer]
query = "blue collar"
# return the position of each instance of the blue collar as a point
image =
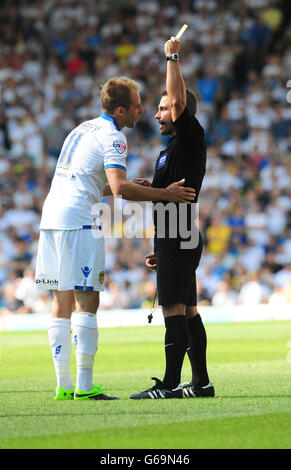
(110, 118)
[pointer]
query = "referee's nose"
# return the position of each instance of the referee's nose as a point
(158, 114)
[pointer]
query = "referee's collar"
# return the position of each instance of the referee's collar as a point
(171, 139)
(110, 118)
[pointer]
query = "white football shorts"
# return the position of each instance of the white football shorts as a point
(70, 260)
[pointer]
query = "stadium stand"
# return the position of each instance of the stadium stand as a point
(236, 57)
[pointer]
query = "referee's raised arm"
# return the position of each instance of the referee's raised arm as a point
(175, 85)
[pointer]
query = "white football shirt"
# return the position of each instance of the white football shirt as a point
(80, 177)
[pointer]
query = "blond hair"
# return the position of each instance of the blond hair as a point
(117, 92)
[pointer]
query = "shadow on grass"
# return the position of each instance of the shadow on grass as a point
(222, 397)
(217, 397)
(99, 412)
(135, 412)
(24, 391)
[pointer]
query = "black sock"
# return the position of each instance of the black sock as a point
(197, 351)
(176, 343)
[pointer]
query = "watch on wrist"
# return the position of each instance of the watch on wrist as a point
(174, 57)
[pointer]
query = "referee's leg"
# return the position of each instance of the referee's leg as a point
(197, 347)
(176, 342)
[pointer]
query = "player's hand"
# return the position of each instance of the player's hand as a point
(151, 262)
(172, 46)
(178, 193)
(141, 181)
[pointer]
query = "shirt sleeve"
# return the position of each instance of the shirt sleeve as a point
(115, 151)
(188, 128)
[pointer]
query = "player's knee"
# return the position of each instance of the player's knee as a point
(173, 310)
(87, 301)
(191, 312)
(62, 304)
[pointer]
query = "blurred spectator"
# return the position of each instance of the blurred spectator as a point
(217, 235)
(283, 276)
(208, 88)
(150, 291)
(22, 257)
(10, 303)
(25, 292)
(224, 295)
(124, 50)
(42, 304)
(204, 298)
(253, 292)
(272, 16)
(277, 297)
(54, 136)
(287, 292)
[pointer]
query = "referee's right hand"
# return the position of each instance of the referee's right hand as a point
(151, 262)
(176, 192)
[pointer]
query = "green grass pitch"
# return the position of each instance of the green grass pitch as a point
(248, 363)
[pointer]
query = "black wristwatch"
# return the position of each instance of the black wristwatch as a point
(174, 57)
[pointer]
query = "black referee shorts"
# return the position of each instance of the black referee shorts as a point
(176, 278)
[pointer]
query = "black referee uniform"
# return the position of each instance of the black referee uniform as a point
(185, 157)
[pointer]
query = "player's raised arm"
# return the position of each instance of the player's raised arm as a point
(175, 85)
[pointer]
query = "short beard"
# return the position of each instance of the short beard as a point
(168, 129)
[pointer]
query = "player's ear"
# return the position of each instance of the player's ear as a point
(121, 110)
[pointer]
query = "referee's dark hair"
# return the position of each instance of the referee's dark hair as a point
(190, 100)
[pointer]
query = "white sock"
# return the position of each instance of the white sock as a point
(59, 333)
(85, 332)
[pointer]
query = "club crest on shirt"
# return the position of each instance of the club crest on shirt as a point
(162, 161)
(101, 277)
(119, 146)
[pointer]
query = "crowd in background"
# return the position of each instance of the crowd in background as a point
(236, 57)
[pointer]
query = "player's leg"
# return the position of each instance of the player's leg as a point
(85, 332)
(88, 276)
(47, 277)
(60, 339)
(63, 304)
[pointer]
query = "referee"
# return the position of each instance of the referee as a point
(176, 253)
